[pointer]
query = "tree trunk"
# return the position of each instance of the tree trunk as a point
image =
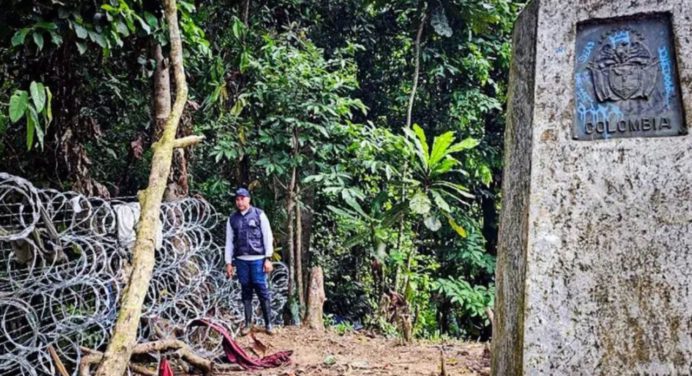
(400, 231)
(161, 105)
(298, 250)
(124, 338)
(416, 71)
(409, 114)
(307, 200)
(294, 314)
(177, 186)
(246, 13)
(160, 110)
(316, 298)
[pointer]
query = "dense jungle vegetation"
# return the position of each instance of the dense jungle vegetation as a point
(370, 131)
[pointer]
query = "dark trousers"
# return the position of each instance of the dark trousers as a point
(252, 277)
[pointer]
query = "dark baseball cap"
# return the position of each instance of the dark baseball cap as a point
(242, 192)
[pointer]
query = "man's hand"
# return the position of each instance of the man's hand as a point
(229, 271)
(268, 267)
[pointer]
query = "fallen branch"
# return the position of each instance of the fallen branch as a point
(187, 141)
(182, 350)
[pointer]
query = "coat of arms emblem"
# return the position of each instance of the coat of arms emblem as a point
(623, 68)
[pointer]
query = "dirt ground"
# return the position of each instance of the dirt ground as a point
(330, 354)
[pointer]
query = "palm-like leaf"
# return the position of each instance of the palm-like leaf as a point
(420, 133)
(441, 145)
(416, 141)
(430, 166)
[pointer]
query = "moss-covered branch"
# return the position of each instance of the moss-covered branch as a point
(116, 358)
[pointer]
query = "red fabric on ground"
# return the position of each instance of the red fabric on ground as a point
(236, 354)
(165, 368)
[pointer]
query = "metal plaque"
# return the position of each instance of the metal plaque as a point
(626, 80)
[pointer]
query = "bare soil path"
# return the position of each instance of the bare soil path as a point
(330, 354)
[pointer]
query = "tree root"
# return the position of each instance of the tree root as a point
(182, 350)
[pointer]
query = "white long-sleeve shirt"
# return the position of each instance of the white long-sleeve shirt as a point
(267, 240)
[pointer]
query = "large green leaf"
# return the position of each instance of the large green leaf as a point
(237, 107)
(468, 143)
(38, 39)
(420, 133)
(420, 203)
(446, 165)
(99, 38)
(145, 26)
(238, 29)
(49, 111)
(485, 174)
(356, 206)
(33, 118)
(80, 30)
(38, 95)
(19, 36)
(452, 196)
(31, 123)
(459, 230)
(81, 47)
(440, 147)
(432, 223)
(152, 21)
(18, 103)
(244, 61)
(46, 25)
(440, 202)
(457, 188)
(55, 38)
(414, 142)
(121, 27)
(342, 212)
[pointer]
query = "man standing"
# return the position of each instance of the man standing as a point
(249, 247)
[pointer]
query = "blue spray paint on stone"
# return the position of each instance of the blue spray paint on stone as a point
(667, 71)
(620, 36)
(588, 111)
(586, 52)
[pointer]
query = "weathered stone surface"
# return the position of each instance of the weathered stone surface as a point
(509, 326)
(595, 254)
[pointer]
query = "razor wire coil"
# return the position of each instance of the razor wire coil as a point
(62, 267)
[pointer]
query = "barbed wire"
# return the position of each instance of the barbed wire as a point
(64, 258)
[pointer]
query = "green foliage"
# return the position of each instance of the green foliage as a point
(107, 30)
(473, 300)
(343, 328)
(37, 111)
(194, 36)
(381, 325)
(37, 31)
(429, 169)
(316, 88)
(296, 107)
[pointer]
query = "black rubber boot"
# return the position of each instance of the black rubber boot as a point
(267, 312)
(247, 305)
